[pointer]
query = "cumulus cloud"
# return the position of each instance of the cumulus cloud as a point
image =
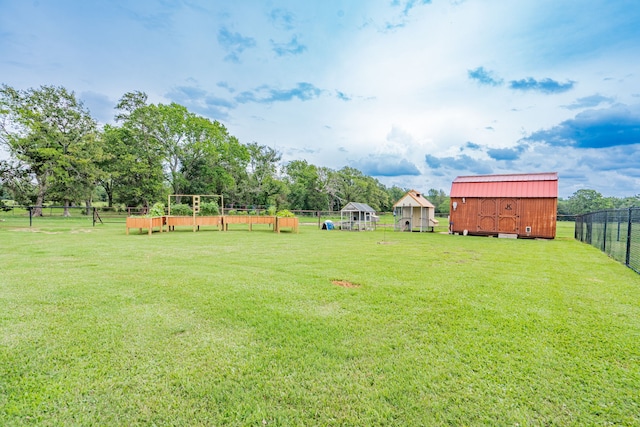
(100, 106)
(407, 5)
(342, 96)
(200, 101)
(508, 154)
(471, 145)
(618, 159)
(460, 163)
(398, 141)
(484, 77)
(296, 152)
(292, 47)
(547, 85)
(226, 85)
(610, 127)
(264, 94)
(281, 18)
(234, 44)
(589, 102)
(386, 166)
(182, 93)
(500, 154)
(157, 20)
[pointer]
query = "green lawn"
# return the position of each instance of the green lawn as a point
(246, 328)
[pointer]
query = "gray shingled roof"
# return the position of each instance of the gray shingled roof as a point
(357, 207)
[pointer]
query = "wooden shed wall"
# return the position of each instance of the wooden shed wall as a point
(493, 215)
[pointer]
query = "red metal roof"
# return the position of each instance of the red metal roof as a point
(535, 185)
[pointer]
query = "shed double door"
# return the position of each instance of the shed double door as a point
(498, 215)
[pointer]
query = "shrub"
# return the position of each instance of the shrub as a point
(232, 212)
(181, 210)
(4, 207)
(285, 213)
(209, 209)
(253, 212)
(157, 209)
(271, 210)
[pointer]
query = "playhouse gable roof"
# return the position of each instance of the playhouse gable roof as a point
(414, 198)
(536, 185)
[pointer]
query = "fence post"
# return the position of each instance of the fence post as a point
(619, 223)
(604, 234)
(30, 215)
(628, 255)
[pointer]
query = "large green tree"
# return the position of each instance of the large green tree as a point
(16, 184)
(628, 202)
(353, 186)
(173, 128)
(194, 154)
(350, 185)
(131, 167)
(395, 193)
(329, 185)
(76, 175)
(586, 200)
(306, 188)
(439, 199)
(214, 162)
(50, 132)
(132, 162)
(264, 187)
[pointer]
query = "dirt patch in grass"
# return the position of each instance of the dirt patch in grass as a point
(35, 230)
(345, 284)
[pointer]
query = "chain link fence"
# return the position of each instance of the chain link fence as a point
(33, 215)
(615, 232)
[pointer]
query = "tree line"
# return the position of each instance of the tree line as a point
(587, 200)
(59, 153)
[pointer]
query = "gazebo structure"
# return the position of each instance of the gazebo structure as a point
(357, 216)
(413, 212)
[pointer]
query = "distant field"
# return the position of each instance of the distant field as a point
(248, 328)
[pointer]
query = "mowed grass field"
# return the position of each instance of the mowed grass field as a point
(244, 328)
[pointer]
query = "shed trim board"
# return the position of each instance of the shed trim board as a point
(522, 204)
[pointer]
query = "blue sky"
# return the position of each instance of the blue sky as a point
(413, 92)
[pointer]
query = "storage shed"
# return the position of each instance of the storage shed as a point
(515, 205)
(357, 216)
(413, 212)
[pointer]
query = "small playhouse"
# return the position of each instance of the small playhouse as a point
(358, 217)
(413, 212)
